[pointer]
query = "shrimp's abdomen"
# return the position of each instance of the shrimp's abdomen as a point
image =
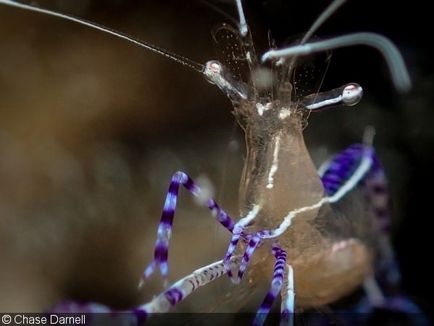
(328, 274)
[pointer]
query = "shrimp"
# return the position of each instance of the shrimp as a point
(322, 232)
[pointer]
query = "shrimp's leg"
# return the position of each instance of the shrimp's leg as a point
(160, 303)
(376, 299)
(165, 226)
(288, 295)
(252, 244)
(237, 234)
(382, 289)
(276, 285)
(377, 197)
(185, 286)
(387, 277)
(374, 186)
(335, 172)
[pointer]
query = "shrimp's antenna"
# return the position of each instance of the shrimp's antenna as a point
(219, 11)
(244, 28)
(330, 10)
(247, 40)
(391, 54)
(167, 54)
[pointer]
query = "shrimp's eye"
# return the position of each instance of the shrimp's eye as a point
(352, 94)
(213, 71)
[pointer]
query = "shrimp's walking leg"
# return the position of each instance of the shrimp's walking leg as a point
(374, 186)
(160, 303)
(337, 171)
(185, 286)
(377, 197)
(237, 233)
(165, 226)
(288, 295)
(333, 174)
(276, 285)
(387, 277)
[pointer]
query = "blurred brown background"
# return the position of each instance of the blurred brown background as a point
(92, 128)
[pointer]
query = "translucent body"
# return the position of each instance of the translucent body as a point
(327, 249)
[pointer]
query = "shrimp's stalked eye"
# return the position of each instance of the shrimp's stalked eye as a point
(213, 72)
(347, 95)
(352, 94)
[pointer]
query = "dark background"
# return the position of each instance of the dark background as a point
(93, 127)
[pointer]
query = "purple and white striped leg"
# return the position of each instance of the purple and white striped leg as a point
(159, 304)
(383, 289)
(184, 287)
(339, 170)
(288, 295)
(276, 285)
(166, 222)
(236, 236)
(251, 247)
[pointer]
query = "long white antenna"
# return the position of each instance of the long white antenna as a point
(398, 70)
(244, 28)
(330, 10)
(172, 56)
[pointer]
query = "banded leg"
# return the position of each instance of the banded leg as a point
(237, 233)
(185, 286)
(166, 222)
(251, 247)
(288, 295)
(335, 172)
(276, 285)
(342, 166)
(374, 185)
(161, 303)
